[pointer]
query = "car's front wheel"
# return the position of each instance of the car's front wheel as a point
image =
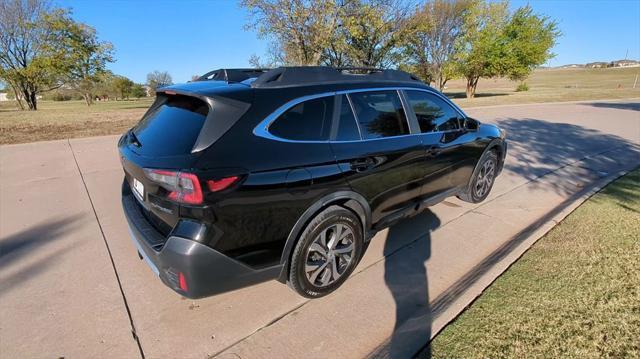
(482, 179)
(327, 252)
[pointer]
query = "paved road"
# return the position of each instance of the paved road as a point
(72, 285)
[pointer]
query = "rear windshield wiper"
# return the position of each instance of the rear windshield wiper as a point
(134, 139)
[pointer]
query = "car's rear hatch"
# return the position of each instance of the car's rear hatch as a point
(159, 154)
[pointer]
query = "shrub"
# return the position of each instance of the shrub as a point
(522, 87)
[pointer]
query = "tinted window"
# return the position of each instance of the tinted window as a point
(173, 127)
(347, 126)
(380, 114)
(433, 113)
(306, 121)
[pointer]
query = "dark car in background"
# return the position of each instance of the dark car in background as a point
(248, 175)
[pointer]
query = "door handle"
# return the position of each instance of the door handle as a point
(362, 164)
(434, 151)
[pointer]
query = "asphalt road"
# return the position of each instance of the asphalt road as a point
(71, 283)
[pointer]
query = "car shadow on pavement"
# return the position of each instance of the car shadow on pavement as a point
(539, 147)
(406, 277)
(632, 106)
(14, 249)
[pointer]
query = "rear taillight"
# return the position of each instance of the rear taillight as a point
(222, 183)
(183, 187)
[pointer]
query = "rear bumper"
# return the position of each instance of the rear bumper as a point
(205, 271)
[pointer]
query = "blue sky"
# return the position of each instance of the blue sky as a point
(192, 37)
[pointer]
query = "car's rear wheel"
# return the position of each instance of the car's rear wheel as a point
(482, 179)
(327, 252)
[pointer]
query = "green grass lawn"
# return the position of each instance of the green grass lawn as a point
(69, 119)
(575, 293)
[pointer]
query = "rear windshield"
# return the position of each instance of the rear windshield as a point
(172, 127)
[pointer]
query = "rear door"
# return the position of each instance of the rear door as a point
(375, 149)
(442, 136)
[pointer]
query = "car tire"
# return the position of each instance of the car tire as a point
(482, 178)
(326, 253)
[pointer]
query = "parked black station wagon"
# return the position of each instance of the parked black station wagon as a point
(248, 175)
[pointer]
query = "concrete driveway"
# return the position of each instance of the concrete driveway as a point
(71, 283)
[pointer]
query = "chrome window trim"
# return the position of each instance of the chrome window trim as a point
(262, 129)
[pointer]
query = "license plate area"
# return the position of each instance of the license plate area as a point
(138, 189)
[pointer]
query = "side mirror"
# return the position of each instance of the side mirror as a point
(470, 124)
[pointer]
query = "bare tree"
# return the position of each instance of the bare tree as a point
(157, 79)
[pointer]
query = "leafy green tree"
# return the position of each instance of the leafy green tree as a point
(25, 65)
(157, 79)
(530, 38)
(482, 49)
(123, 86)
(105, 86)
(430, 38)
(79, 56)
(138, 91)
(499, 44)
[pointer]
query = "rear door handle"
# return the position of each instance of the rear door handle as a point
(434, 151)
(362, 164)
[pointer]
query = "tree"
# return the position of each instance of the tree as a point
(105, 87)
(123, 86)
(430, 38)
(138, 91)
(299, 30)
(157, 79)
(79, 56)
(24, 63)
(369, 33)
(481, 50)
(499, 44)
(530, 38)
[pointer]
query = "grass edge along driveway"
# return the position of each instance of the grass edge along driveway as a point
(574, 293)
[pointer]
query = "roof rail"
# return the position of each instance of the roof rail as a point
(310, 75)
(231, 75)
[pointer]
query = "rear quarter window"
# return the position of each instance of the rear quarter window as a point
(306, 121)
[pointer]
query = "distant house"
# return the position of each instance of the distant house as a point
(625, 63)
(571, 66)
(597, 65)
(3, 96)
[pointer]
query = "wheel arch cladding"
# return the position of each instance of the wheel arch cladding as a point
(349, 200)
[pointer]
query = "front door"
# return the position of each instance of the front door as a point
(381, 158)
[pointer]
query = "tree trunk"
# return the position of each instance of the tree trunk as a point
(472, 83)
(30, 98)
(17, 96)
(88, 98)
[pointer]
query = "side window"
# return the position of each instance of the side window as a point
(306, 121)
(379, 114)
(347, 125)
(433, 113)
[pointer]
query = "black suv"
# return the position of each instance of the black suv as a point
(249, 175)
